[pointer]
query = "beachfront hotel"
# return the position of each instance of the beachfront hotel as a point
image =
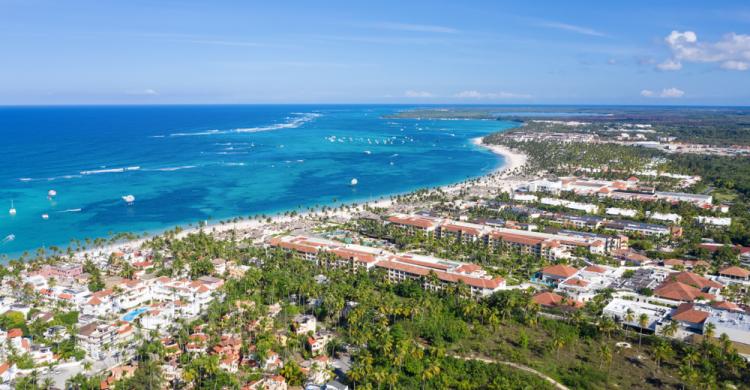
(434, 273)
(548, 245)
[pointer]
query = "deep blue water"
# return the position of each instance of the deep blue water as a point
(186, 164)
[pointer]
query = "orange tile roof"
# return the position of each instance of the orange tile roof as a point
(735, 271)
(596, 269)
(695, 280)
(15, 332)
(550, 299)
(726, 305)
(462, 229)
(468, 268)
(516, 238)
(345, 253)
(576, 282)
(686, 312)
(560, 270)
(419, 222)
(410, 260)
(444, 276)
(679, 291)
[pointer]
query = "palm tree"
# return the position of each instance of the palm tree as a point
(606, 325)
(558, 343)
(432, 370)
(642, 323)
(661, 352)
(670, 329)
(709, 331)
(47, 383)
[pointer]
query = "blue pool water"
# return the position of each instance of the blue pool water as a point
(133, 314)
(185, 164)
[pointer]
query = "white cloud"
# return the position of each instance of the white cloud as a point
(669, 64)
(418, 94)
(144, 92)
(735, 65)
(572, 28)
(665, 93)
(671, 93)
(732, 51)
(427, 28)
(472, 94)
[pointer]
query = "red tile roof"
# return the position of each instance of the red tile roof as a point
(550, 299)
(462, 229)
(686, 312)
(679, 291)
(726, 305)
(420, 222)
(695, 280)
(15, 332)
(596, 269)
(516, 238)
(735, 271)
(354, 254)
(562, 270)
(576, 282)
(444, 276)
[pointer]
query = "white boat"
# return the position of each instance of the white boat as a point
(354, 182)
(45, 216)
(51, 194)
(12, 210)
(129, 199)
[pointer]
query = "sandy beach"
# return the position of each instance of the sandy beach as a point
(500, 179)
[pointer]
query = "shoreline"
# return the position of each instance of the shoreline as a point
(279, 222)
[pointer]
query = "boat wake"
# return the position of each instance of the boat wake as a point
(171, 169)
(70, 211)
(110, 170)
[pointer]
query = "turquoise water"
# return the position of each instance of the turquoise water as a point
(133, 314)
(185, 164)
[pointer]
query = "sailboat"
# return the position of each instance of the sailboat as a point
(12, 210)
(129, 199)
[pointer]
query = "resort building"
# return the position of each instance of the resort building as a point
(398, 266)
(628, 313)
(412, 223)
(555, 274)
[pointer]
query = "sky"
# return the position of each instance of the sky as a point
(458, 52)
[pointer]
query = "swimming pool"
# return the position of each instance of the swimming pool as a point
(131, 315)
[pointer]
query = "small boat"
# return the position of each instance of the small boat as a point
(51, 194)
(8, 238)
(12, 210)
(129, 199)
(368, 152)
(45, 216)
(354, 182)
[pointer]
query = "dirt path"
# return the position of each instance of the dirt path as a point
(528, 369)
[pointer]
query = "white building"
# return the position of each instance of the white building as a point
(714, 221)
(667, 217)
(620, 309)
(623, 212)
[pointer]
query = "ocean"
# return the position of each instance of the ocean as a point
(66, 169)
